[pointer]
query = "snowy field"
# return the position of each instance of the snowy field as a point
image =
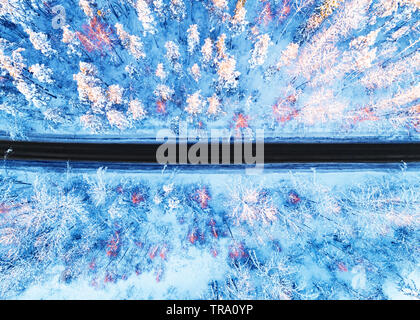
(299, 69)
(330, 232)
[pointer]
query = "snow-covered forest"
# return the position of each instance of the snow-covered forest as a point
(327, 232)
(295, 68)
(124, 69)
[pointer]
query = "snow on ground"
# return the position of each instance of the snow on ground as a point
(126, 69)
(314, 232)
